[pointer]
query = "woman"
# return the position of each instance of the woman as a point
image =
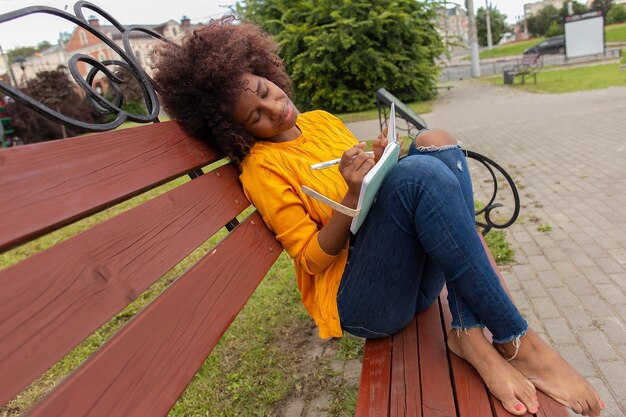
(225, 85)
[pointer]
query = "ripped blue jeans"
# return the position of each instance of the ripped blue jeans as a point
(419, 235)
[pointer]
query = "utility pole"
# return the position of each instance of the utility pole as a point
(9, 67)
(473, 41)
(489, 41)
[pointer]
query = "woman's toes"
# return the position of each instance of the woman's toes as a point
(514, 406)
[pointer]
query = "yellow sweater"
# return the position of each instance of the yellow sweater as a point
(272, 176)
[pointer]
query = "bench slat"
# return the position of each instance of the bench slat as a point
(53, 300)
(373, 398)
(47, 185)
(437, 396)
(406, 398)
(471, 393)
(127, 376)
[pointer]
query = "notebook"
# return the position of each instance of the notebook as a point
(375, 177)
(371, 182)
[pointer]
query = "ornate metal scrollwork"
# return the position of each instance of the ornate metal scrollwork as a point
(127, 61)
(416, 123)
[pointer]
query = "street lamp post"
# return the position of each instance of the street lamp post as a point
(20, 60)
(489, 41)
(473, 41)
(9, 67)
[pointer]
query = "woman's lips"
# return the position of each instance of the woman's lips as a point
(287, 114)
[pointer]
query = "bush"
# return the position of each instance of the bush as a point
(554, 30)
(339, 53)
(616, 14)
(55, 90)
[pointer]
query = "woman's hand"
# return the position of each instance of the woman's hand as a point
(379, 144)
(354, 164)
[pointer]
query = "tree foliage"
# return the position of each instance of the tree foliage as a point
(539, 24)
(616, 14)
(577, 8)
(26, 51)
(339, 52)
(602, 5)
(496, 21)
(55, 90)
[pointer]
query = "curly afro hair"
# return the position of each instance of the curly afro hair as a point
(197, 80)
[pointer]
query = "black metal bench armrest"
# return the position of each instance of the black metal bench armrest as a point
(415, 122)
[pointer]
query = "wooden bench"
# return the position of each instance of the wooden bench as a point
(529, 65)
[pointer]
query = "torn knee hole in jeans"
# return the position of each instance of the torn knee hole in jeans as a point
(434, 148)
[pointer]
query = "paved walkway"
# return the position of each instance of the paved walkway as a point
(567, 154)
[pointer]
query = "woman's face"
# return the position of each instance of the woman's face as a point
(265, 111)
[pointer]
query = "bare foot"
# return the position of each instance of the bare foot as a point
(550, 373)
(506, 383)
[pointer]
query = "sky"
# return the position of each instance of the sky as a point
(31, 30)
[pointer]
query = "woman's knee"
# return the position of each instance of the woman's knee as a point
(434, 138)
(425, 171)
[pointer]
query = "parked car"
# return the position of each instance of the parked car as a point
(555, 45)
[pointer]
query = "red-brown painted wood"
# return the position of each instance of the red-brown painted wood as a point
(145, 367)
(373, 397)
(470, 391)
(406, 397)
(53, 300)
(46, 185)
(437, 397)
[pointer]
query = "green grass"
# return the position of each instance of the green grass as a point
(419, 107)
(509, 49)
(615, 33)
(499, 247)
(544, 227)
(569, 79)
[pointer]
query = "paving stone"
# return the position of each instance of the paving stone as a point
(610, 265)
(533, 288)
(524, 272)
(521, 301)
(293, 408)
(550, 279)
(620, 279)
(596, 306)
(563, 297)
(598, 346)
(530, 249)
(578, 318)
(613, 328)
(595, 274)
(580, 259)
(352, 371)
(545, 308)
(594, 251)
(318, 407)
(619, 255)
(577, 357)
(614, 373)
(554, 254)
(612, 293)
(539, 263)
(580, 286)
(559, 331)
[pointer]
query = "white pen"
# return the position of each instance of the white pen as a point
(332, 162)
